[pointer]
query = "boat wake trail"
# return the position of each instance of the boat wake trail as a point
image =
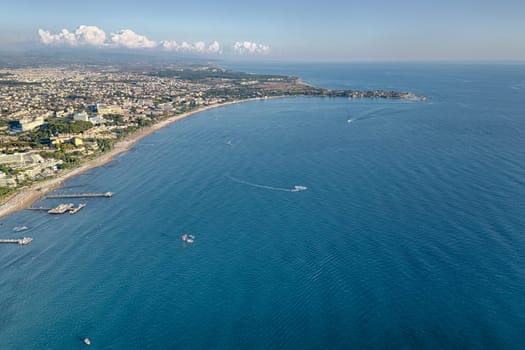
(296, 188)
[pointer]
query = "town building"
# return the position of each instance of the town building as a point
(25, 124)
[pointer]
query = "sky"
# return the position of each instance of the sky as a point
(334, 30)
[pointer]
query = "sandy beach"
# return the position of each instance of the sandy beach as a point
(24, 197)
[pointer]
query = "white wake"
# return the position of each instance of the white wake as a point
(296, 188)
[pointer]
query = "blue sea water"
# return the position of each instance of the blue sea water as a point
(410, 232)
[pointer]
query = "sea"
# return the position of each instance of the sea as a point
(317, 223)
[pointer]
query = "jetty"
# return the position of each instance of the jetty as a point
(22, 241)
(39, 209)
(60, 209)
(80, 195)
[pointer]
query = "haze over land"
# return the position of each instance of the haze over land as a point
(329, 30)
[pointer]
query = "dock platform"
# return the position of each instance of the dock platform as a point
(77, 209)
(62, 208)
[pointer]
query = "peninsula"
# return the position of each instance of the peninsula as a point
(58, 121)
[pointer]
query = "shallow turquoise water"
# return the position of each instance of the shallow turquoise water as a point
(409, 234)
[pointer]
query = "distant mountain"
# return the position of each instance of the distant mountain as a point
(61, 56)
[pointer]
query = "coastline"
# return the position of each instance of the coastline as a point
(25, 197)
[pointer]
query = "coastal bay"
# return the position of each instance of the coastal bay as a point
(26, 196)
(202, 88)
(410, 223)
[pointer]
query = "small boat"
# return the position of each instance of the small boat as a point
(20, 228)
(184, 237)
(298, 188)
(87, 341)
(191, 239)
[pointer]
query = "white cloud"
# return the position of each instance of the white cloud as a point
(198, 47)
(131, 40)
(93, 36)
(90, 35)
(215, 47)
(83, 36)
(251, 48)
(62, 38)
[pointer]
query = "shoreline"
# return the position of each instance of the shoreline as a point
(25, 197)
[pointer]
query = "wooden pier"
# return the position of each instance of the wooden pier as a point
(22, 241)
(80, 195)
(39, 208)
